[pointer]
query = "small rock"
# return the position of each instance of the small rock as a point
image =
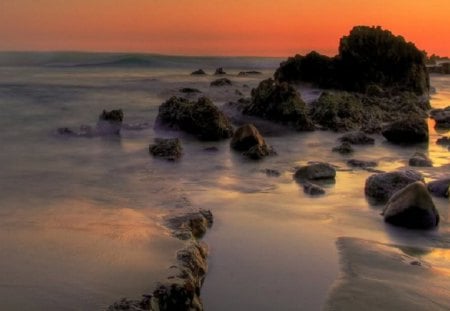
(189, 90)
(440, 187)
(221, 82)
(344, 148)
(312, 189)
(219, 71)
(248, 139)
(198, 72)
(109, 123)
(361, 163)
(167, 148)
(382, 186)
(357, 138)
(412, 207)
(248, 73)
(315, 171)
(420, 159)
(443, 141)
(113, 115)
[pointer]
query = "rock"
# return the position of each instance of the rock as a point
(198, 72)
(367, 56)
(248, 139)
(219, 71)
(109, 123)
(191, 225)
(248, 73)
(442, 117)
(315, 171)
(357, 138)
(200, 118)
(66, 131)
(169, 149)
(221, 82)
(413, 129)
(344, 148)
(420, 159)
(312, 189)
(338, 111)
(443, 141)
(412, 207)
(361, 163)
(189, 90)
(382, 186)
(281, 103)
(440, 187)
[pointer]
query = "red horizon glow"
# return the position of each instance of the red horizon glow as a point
(228, 28)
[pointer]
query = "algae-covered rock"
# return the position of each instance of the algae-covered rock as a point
(201, 118)
(279, 102)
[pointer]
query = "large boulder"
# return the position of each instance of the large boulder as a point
(412, 129)
(200, 118)
(315, 171)
(412, 207)
(166, 148)
(248, 140)
(440, 187)
(367, 56)
(380, 187)
(279, 102)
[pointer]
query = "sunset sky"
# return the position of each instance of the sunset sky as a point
(215, 27)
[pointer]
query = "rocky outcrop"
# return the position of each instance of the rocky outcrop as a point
(440, 187)
(315, 171)
(248, 140)
(412, 129)
(380, 187)
(357, 138)
(198, 72)
(412, 207)
(219, 71)
(221, 82)
(200, 118)
(344, 148)
(279, 102)
(367, 56)
(420, 159)
(166, 148)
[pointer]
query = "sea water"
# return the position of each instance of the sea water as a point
(81, 219)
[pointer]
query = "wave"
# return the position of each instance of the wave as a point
(85, 59)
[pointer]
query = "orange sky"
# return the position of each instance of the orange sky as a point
(215, 27)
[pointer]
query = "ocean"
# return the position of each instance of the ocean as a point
(81, 219)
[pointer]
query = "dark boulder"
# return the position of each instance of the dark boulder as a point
(357, 138)
(221, 82)
(248, 140)
(382, 186)
(199, 72)
(315, 171)
(167, 148)
(440, 187)
(420, 159)
(200, 118)
(412, 129)
(219, 71)
(412, 207)
(344, 148)
(279, 102)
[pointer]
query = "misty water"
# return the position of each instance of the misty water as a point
(81, 219)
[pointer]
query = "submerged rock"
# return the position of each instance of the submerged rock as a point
(279, 102)
(200, 118)
(198, 72)
(412, 207)
(315, 171)
(420, 159)
(167, 148)
(312, 189)
(361, 163)
(382, 186)
(248, 139)
(344, 148)
(357, 138)
(221, 82)
(412, 129)
(440, 187)
(219, 71)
